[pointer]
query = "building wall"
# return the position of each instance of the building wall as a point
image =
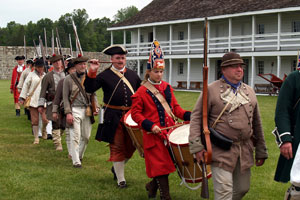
(8, 54)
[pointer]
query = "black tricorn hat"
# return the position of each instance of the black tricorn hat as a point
(231, 58)
(115, 49)
(80, 59)
(39, 63)
(29, 61)
(19, 57)
(69, 66)
(55, 58)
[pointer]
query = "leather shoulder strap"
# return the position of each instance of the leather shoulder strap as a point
(160, 98)
(123, 79)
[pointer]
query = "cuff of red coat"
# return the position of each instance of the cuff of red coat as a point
(187, 116)
(147, 125)
(92, 73)
(195, 145)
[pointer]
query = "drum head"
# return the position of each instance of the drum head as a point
(180, 135)
(129, 121)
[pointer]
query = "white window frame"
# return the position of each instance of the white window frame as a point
(181, 35)
(180, 68)
(295, 26)
(260, 29)
(260, 67)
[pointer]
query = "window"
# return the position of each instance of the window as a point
(180, 35)
(141, 38)
(261, 29)
(260, 67)
(141, 69)
(296, 26)
(180, 68)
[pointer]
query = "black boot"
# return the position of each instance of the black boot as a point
(163, 185)
(28, 115)
(114, 173)
(18, 112)
(152, 187)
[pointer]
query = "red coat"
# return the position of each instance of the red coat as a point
(147, 112)
(14, 82)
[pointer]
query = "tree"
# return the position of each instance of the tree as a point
(122, 15)
(125, 13)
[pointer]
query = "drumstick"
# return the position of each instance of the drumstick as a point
(169, 127)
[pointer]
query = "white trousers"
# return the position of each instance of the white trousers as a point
(230, 186)
(80, 134)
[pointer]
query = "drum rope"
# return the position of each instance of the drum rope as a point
(179, 172)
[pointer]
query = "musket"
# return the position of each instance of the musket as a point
(43, 54)
(59, 48)
(206, 133)
(71, 50)
(77, 38)
(35, 47)
(52, 42)
(46, 48)
(25, 53)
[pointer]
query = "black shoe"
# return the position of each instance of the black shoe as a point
(77, 166)
(122, 185)
(18, 112)
(113, 171)
(49, 137)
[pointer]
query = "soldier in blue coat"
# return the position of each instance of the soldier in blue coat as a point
(287, 120)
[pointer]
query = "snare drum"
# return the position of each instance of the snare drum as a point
(135, 133)
(187, 166)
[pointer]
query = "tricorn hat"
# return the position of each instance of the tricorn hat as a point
(55, 58)
(80, 59)
(70, 65)
(156, 57)
(19, 57)
(115, 49)
(231, 58)
(29, 61)
(39, 63)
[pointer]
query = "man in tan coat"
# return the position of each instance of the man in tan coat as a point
(240, 123)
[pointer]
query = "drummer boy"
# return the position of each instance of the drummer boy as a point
(155, 108)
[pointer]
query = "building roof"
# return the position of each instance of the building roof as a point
(169, 10)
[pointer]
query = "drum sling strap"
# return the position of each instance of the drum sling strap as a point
(160, 98)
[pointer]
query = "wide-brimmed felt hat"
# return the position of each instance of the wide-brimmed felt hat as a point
(156, 57)
(55, 58)
(19, 57)
(80, 59)
(39, 63)
(115, 49)
(231, 58)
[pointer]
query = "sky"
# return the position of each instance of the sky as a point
(23, 12)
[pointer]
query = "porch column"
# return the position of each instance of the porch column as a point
(279, 31)
(138, 67)
(138, 42)
(111, 38)
(170, 70)
(252, 71)
(124, 38)
(189, 38)
(154, 32)
(229, 33)
(188, 73)
(170, 39)
(278, 65)
(253, 31)
(209, 70)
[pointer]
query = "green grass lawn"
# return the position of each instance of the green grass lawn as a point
(30, 171)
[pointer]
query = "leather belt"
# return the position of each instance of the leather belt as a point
(117, 107)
